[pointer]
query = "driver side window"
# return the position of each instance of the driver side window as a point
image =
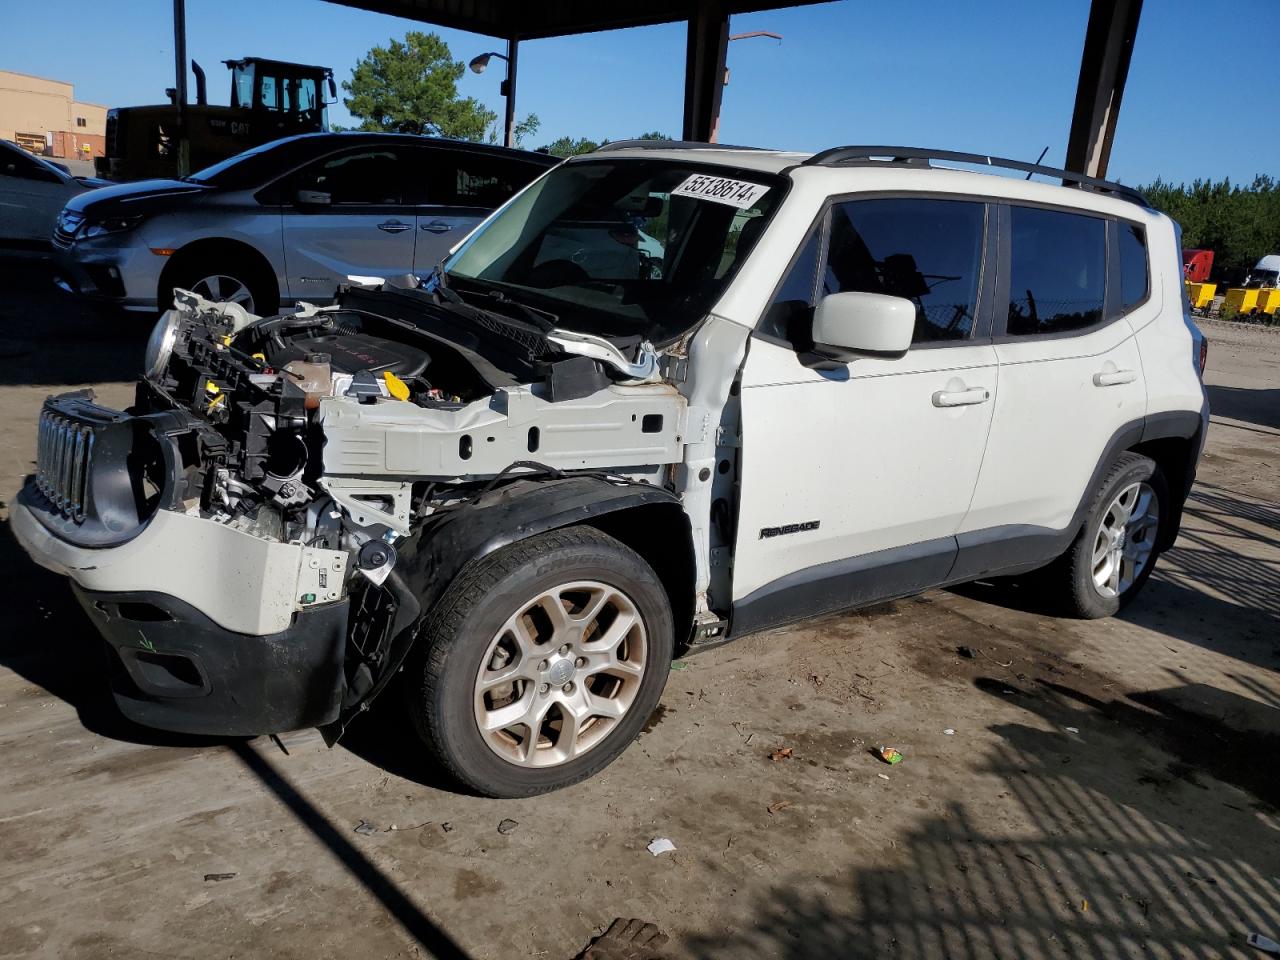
(924, 250)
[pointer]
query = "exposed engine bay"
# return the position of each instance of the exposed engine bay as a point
(348, 429)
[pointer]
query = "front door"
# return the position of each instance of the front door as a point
(855, 477)
(347, 215)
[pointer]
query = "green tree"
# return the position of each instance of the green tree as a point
(413, 85)
(571, 147)
(1239, 224)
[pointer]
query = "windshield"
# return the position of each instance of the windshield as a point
(621, 248)
(257, 165)
(1266, 278)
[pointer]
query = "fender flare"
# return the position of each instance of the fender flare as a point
(433, 557)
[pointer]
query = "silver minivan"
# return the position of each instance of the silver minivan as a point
(286, 221)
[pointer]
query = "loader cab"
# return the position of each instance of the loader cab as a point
(298, 92)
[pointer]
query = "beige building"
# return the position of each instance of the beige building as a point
(45, 117)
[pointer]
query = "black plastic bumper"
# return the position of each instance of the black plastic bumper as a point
(175, 669)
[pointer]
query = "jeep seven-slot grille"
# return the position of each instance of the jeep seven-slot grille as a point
(64, 456)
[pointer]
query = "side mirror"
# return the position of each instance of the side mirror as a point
(312, 198)
(851, 325)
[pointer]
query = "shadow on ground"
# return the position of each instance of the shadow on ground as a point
(1112, 865)
(48, 337)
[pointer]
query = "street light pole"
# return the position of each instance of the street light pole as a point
(180, 84)
(507, 89)
(715, 124)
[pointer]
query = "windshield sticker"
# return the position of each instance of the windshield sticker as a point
(736, 193)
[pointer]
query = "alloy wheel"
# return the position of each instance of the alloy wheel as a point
(560, 674)
(220, 287)
(1124, 545)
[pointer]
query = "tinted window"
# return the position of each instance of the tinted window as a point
(927, 251)
(1057, 277)
(461, 179)
(366, 176)
(791, 313)
(1133, 266)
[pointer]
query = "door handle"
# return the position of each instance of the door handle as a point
(393, 226)
(436, 226)
(1113, 378)
(961, 398)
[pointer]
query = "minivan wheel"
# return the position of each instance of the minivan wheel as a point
(541, 663)
(237, 279)
(1115, 551)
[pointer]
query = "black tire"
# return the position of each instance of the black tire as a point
(254, 276)
(459, 630)
(1068, 583)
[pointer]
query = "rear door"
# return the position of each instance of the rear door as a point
(453, 190)
(1071, 382)
(348, 214)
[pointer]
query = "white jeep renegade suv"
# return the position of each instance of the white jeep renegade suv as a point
(667, 395)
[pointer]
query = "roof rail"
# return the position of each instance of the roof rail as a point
(839, 156)
(667, 145)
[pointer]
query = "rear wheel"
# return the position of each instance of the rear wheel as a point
(1113, 555)
(542, 662)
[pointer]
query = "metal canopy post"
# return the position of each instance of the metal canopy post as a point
(509, 91)
(704, 65)
(180, 85)
(1104, 67)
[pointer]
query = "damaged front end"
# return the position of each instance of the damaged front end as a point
(259, 534)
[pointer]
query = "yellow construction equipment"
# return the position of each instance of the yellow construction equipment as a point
(1242, 300)
(1268, 300)
(1201, 294)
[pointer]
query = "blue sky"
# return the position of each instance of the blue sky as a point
(995, 77)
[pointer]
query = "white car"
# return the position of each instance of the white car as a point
(531, 482)
(32, 191)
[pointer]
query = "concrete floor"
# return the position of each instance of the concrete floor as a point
(1111, 789)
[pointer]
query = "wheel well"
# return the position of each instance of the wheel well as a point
(216, 249)
(1176, 459)
(659, 532)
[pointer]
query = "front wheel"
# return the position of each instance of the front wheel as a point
(542, 662)
(1113, 555)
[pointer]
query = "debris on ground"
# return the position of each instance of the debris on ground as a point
(781, 753)
(966, 652)
(218, 877)
(679, 665)
(883, 776)
(627, 940)
(1265, 944)
(816, 679)
(1071, 729)
(889, 755)
(366, 829)
(660, 845)
(777, 805)
(446, 828)
(949, 732)
(506, 826)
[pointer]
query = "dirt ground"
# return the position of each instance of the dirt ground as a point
(1076, 790)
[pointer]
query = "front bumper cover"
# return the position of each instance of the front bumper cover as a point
(175, 669)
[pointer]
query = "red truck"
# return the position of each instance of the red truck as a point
(1196, 265)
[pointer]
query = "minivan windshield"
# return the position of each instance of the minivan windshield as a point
(621, 247)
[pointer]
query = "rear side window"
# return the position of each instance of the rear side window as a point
(461, 179)
(1057, 273)
(1134, 280)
